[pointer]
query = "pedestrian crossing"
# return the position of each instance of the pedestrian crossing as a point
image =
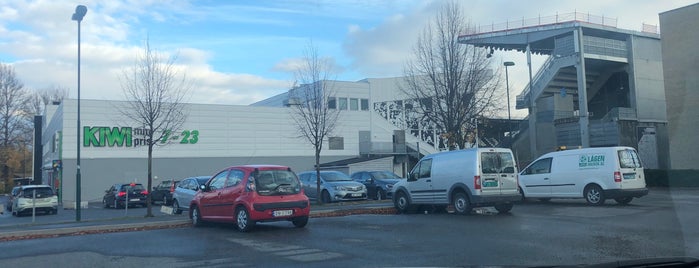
(291, 252)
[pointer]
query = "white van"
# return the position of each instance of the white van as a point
(466, 179)
(595, 174)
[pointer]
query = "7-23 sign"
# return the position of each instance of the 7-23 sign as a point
(185, 137)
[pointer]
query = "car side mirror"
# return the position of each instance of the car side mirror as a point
(370, 180)
(202, 187)
(509, 170)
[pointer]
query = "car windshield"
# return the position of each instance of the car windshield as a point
(335, 176)
(383, 175)
(276, 182)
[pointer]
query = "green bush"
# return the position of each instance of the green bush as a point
(672, 178)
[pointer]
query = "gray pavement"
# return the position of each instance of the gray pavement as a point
(95, 219)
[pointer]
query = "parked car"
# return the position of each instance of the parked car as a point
(379, 183)
(248, 194)
(10, 200)
(466, 179)
(334, 186)
(40, 198)
(116, 196)
(185, 191)
(163, 192)
(591, 173)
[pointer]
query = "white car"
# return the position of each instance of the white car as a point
(595, 174)
(39, 198)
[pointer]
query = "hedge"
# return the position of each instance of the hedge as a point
(672, 178)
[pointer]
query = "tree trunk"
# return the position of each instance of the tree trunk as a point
(149, 212)
(319, 198)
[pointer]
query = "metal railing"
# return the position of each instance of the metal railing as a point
(539, 21)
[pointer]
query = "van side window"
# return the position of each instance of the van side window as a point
(629, 159)
(542, 166)
(425, 169)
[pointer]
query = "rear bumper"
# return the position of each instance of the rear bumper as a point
(265, 211)
(618, 193)
(491, 200)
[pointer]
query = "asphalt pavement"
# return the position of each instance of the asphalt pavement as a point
(96, 219)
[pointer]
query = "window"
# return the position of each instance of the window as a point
(332, 103)
(422, 169)
(218, 181)
(354, 104)
(629, 159)
(542, 166)
(234, 178)
(343, 103)
(365, 104)
(336, 143)
(497, 162)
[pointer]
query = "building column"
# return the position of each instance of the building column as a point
(584, 119)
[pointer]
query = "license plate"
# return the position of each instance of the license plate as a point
(134, 199)
(282, 213)
(629, 176)
(490, 184)
(356, 195)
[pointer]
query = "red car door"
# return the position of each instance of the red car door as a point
(212, 201)
(232, 190)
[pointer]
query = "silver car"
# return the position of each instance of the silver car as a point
(185, 191)
(334, 186)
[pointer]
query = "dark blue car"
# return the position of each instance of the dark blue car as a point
(379, 183)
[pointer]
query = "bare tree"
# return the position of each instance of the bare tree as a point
(40, 98)
(13, 97)
(155, 92)
(314, 119)
(454, 83)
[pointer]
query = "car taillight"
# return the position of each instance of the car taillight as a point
(172, 188)
(617, 176)
(477, 182)
(120, 194)
(145, 192)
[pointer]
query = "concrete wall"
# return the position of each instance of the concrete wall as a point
(680, 40)
(647, 79)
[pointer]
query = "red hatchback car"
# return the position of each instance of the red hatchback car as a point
(248, 194)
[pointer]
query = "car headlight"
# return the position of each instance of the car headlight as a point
(389, 186)
(339, 188)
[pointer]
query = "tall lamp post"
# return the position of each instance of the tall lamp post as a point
(80, 12)
(507, 81)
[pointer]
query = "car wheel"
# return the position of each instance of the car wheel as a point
(504, 207)
(300, 222)
(325, 197)
(623, 200)
(380, 194)
(196, 217)
(461, 204)
(176, 207)
(402, 203)
(594, 195)
(242, 219)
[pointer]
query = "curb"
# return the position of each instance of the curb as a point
(143, 226)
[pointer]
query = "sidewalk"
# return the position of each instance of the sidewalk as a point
(9, 231)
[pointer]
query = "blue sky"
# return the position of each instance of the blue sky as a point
(238, 52)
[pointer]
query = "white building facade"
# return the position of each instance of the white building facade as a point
(112, 147)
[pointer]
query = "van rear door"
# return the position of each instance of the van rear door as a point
(631, 169)
(498, 172)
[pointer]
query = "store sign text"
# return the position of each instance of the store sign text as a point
(132, 137)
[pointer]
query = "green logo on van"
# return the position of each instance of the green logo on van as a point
(591, 161)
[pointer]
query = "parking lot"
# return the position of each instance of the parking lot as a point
(534, 233)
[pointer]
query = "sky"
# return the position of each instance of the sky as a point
(240, 52)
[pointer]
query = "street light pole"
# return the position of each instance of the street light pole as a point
(80, 12)
(507, 81)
